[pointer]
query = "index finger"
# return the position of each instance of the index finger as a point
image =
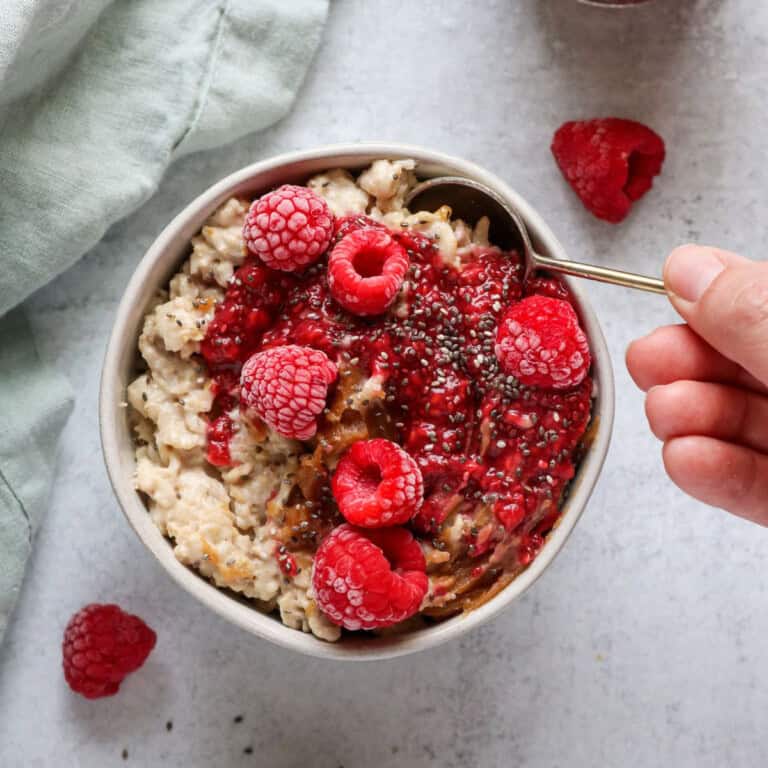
(675, 352)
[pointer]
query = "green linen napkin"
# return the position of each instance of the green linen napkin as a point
(97, 98)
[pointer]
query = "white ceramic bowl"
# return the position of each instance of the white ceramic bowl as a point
(161, 262)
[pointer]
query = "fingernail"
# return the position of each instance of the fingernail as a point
(690, 271)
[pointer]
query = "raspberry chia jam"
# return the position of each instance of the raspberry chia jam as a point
(425, 332)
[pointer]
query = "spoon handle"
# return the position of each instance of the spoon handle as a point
(601, 274)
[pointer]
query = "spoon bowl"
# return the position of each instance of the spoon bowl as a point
(470, 200)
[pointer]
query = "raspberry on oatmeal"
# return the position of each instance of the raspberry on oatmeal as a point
(367, 579)
(540, 342)
(366, 269)
(287, 388)
(393, 401)
(289, 228)
(376, 484)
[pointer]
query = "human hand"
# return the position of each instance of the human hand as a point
(707, 380)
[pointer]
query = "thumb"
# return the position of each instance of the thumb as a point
(724, 298)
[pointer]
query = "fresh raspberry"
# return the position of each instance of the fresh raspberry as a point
(288, 228)
(377, 483)
(102, 645)
(365, 271)
(365, 579)
(540, 342)
(286, 387)
(609, 162)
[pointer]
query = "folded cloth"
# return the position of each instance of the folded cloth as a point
(97, 98)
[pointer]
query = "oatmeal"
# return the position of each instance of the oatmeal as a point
(396, 341)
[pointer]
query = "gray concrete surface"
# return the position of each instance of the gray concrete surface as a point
(644, 644)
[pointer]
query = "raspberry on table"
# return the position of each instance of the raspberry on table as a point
(287, 388)
(102, 645)
(540, 342)
(289, 228)
(368, 579)
(366, 269)
(609, 162)
(376, 484)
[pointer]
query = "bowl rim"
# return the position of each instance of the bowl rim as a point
(112, 422)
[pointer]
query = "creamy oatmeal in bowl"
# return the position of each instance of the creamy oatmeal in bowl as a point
(349, 427)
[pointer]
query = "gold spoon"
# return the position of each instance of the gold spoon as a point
(469, 200)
